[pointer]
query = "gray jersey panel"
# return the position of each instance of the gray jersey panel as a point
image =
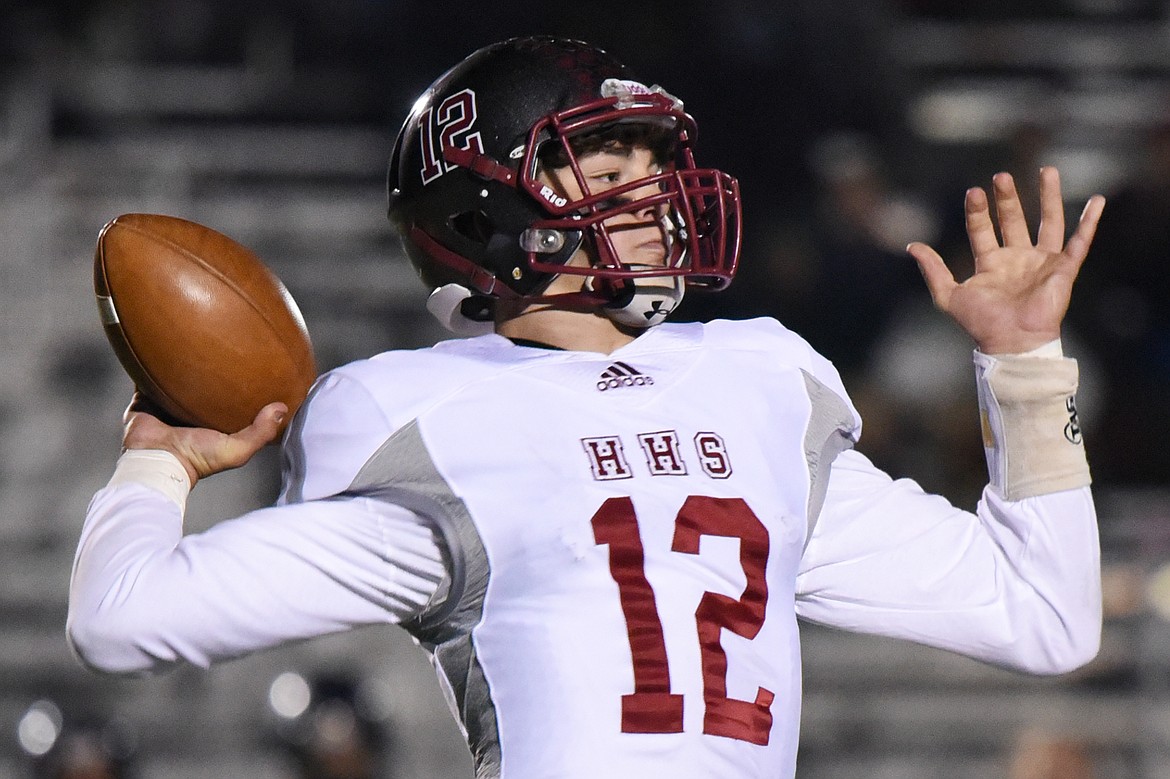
(403, 472)
(828, 434)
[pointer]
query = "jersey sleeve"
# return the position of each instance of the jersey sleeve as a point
(1016, 583)
(144, 597)
(336, 430)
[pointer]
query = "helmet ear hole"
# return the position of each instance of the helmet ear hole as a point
(473, 225)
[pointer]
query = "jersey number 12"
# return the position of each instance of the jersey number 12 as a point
(652, 708)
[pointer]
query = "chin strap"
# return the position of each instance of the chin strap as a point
(646, 302)
(643, 303)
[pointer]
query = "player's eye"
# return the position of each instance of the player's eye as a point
(607, 177)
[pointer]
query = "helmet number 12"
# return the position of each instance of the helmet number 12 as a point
(447, 125)
(652, 708)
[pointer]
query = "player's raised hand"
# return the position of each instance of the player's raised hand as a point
(202, 451)
(1017, 297)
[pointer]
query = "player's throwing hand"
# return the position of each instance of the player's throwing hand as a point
(201, 451)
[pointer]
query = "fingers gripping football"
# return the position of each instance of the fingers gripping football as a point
(201, 451)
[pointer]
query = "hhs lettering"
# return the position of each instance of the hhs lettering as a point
(663, 455)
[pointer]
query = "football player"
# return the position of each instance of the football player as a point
(604, 527)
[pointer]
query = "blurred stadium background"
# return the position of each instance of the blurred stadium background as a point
(854, 126)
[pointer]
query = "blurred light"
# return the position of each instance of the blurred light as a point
(964, 115)
(1085, 171)
(39, 728)
(289, 695)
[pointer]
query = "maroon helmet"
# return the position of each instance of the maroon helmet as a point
(465, 194)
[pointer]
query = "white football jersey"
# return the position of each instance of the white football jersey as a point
(625, 532)
(606, 555)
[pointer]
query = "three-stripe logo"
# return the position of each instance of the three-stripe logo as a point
(620, 374)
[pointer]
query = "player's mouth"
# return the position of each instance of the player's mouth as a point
(651, 252)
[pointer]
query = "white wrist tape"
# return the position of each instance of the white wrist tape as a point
(1031, 434)
(155, 468)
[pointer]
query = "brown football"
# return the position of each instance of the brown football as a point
(205, 329)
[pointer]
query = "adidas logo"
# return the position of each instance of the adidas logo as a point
(622, 375)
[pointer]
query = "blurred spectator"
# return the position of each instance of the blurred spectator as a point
(1120, 308)
(847, 245)
(88, 753)
(903, 360)
(920, 406)
(334, 736)
(907, 366)
(1040, 755)
(63, 745)
(861, 226)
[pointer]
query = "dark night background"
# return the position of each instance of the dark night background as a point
(853, 127)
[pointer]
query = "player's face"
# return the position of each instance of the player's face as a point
(639, 237)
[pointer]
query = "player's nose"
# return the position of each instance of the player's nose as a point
(649, 208)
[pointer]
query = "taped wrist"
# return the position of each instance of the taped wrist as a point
(1031, 434)
(155, 468)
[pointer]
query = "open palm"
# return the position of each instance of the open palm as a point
(1017, 297)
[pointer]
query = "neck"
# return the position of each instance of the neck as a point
(582, 331)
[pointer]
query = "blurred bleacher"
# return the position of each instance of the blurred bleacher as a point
(234, 116)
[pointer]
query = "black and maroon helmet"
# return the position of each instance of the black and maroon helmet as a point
(464, 190)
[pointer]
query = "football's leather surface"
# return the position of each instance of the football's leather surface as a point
(204, 328)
